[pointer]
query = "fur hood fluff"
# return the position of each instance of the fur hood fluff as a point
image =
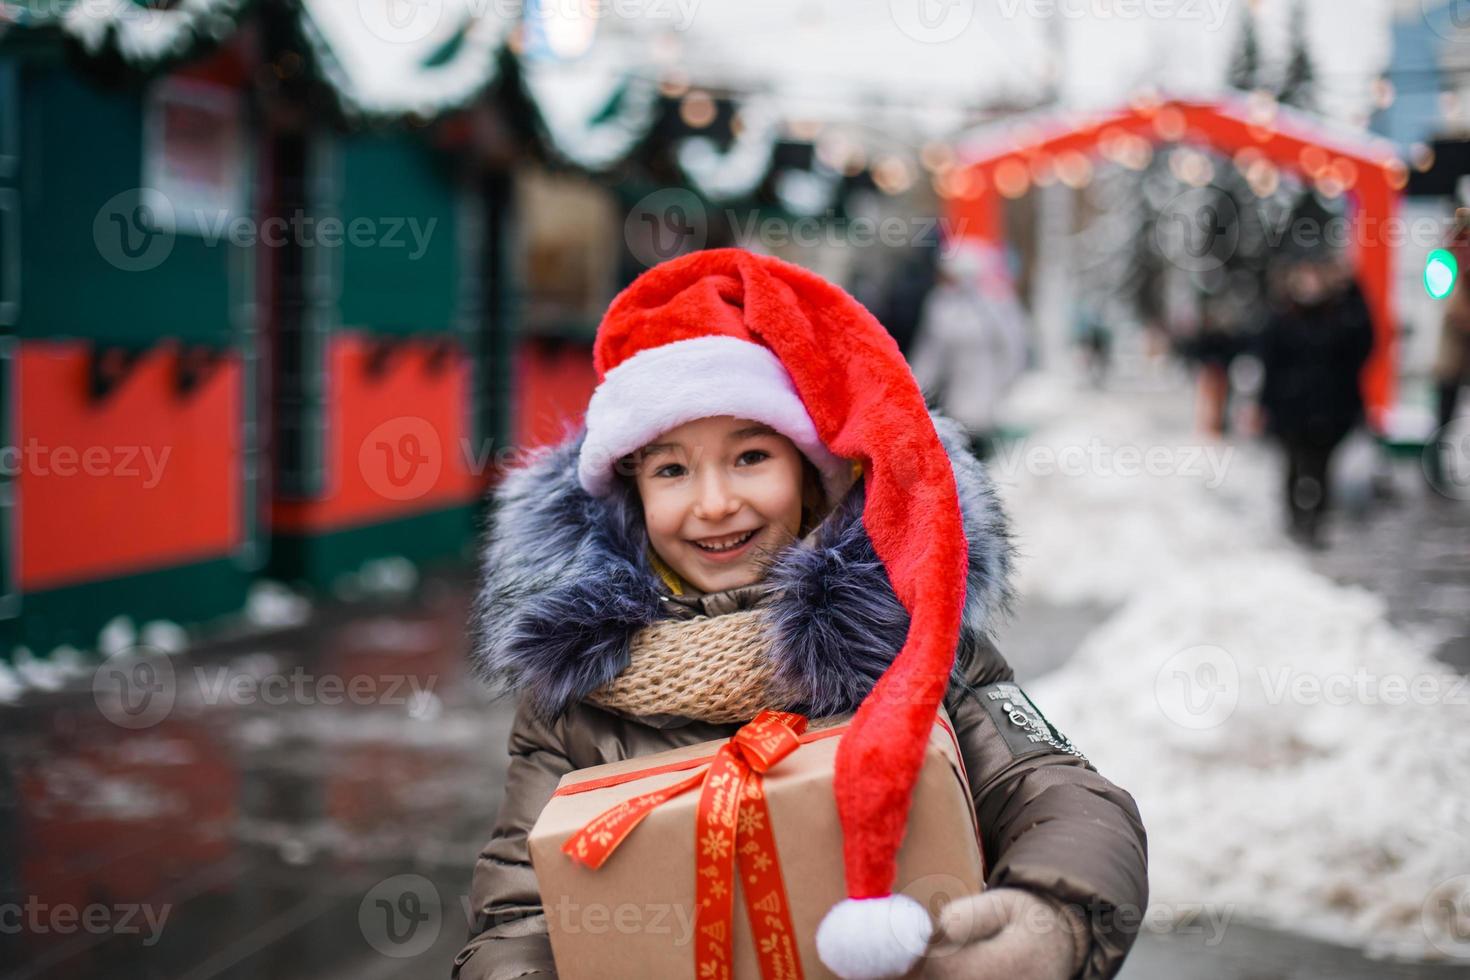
(565, 583)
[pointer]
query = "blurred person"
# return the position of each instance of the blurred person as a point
(1096, 342)
(1213, 348)
(971, 342)
(1313, 349)
(903, 303)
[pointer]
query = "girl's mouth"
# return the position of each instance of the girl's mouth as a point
(728, 547)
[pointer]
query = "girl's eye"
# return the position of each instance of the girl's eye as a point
(760, 454)
(664, 470)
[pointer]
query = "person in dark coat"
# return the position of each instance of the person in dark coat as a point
(1313, 350)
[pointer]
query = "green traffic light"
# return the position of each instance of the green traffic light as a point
(1440, 272)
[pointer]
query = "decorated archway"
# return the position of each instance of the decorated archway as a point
(1005, 160)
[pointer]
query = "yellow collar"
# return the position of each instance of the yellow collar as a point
(671, 578)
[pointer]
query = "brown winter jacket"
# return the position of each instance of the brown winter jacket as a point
(552, 628)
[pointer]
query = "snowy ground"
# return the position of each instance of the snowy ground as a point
(1299, 760)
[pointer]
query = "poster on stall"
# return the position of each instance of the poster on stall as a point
(193, 155)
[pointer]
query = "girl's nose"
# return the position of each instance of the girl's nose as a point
(714, 499)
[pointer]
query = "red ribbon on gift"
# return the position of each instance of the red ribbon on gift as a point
(732, 821)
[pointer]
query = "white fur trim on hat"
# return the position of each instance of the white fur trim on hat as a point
(663, 387)
(874, 938)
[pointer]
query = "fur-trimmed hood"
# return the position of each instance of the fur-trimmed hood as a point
(565, 583)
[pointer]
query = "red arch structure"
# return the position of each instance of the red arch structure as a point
(1005, 160)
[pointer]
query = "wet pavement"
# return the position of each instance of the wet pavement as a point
(309, 803)
(1413, 549)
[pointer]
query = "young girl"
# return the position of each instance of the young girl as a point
(760, 512)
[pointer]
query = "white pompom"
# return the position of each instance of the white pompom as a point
(874, 938)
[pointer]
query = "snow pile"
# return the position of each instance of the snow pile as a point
(382, 62)
(390, 576)
(572, 101)
(1106, 503)
(1295, 757)
(272, 604)
(148, 35)
(12, 685)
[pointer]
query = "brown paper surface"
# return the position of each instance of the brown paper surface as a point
(634, 917)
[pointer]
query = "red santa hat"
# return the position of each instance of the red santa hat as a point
(764, 339)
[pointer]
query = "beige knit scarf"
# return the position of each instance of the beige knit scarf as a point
(712, 668)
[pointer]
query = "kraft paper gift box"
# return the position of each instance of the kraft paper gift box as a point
(634, 916)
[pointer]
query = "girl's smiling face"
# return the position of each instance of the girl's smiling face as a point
(720, 494)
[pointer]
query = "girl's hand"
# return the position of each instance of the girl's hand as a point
(1006, 933)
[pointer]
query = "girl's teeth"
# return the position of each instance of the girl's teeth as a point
(728, 543)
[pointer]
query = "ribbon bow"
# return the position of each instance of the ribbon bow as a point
(732, 821)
